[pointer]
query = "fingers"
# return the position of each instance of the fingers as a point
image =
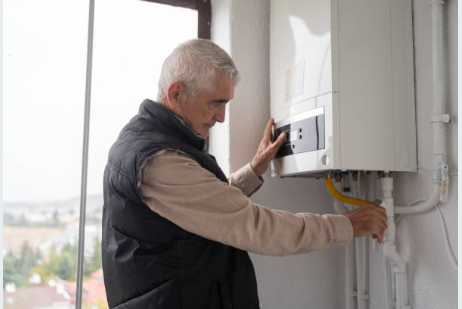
(380, 222)
(378, 236)
(268, 129)
(267, 149)
(368, 220)
(279, 141)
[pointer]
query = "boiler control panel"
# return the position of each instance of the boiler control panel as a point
(305, 132)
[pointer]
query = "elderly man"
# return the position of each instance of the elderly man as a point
(176, 231)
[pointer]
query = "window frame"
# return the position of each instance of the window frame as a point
(204, 10)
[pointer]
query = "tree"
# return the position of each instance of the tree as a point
(26, 261)
(38, 255)
(97, 258)
(44, 271)
(10, 273)
(16, 270)
(71, 249)
(63, 265)
(64, 269)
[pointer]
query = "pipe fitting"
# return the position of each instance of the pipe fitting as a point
(339, 206)
(390, 253)
(444, 183)
(364, 297)
(387, 203)
(386, 185)
(328, 174)
(437, 166)
(440, 118)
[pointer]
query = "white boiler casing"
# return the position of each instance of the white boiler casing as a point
(342, 85)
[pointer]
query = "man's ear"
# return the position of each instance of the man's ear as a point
(174, 93)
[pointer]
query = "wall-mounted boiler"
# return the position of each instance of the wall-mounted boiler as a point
(342, 85)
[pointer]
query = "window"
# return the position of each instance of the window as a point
(44, 60)
(44, 85)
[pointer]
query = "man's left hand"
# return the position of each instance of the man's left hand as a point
(267, 149)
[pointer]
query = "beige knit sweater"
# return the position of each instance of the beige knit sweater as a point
(180, 190)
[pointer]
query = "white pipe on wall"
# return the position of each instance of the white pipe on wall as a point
(389, 247)
(359, 272)
(401, 290)
(350, 264)
(339, 207)
(351, 290)
(362, 299)
(365, 296)
(422, 207)
(439, 118)
(388, 280)
(362, 254)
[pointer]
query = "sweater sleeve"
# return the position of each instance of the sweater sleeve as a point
(180, 190)
(246, 180)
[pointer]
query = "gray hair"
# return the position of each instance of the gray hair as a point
(196, 64)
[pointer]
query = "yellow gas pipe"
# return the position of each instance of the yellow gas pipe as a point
(341, 197)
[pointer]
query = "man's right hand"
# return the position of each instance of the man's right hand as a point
(368, 220)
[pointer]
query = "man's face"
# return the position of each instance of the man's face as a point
(202, 113)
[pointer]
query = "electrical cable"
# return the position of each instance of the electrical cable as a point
(449, 248)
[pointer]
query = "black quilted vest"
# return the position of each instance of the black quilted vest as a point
(148, 261)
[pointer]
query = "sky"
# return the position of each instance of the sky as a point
(44, 65)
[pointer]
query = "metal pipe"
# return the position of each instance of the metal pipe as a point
(86, 138)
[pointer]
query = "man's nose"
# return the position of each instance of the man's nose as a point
(221, 114)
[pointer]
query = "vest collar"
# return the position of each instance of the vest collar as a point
(175, 123)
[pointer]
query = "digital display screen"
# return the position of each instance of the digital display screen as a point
(292, 135)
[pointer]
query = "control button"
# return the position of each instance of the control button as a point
(300, 130)
(293, 146)
(300, 136)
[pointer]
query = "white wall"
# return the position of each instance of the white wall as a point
(316, 280)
